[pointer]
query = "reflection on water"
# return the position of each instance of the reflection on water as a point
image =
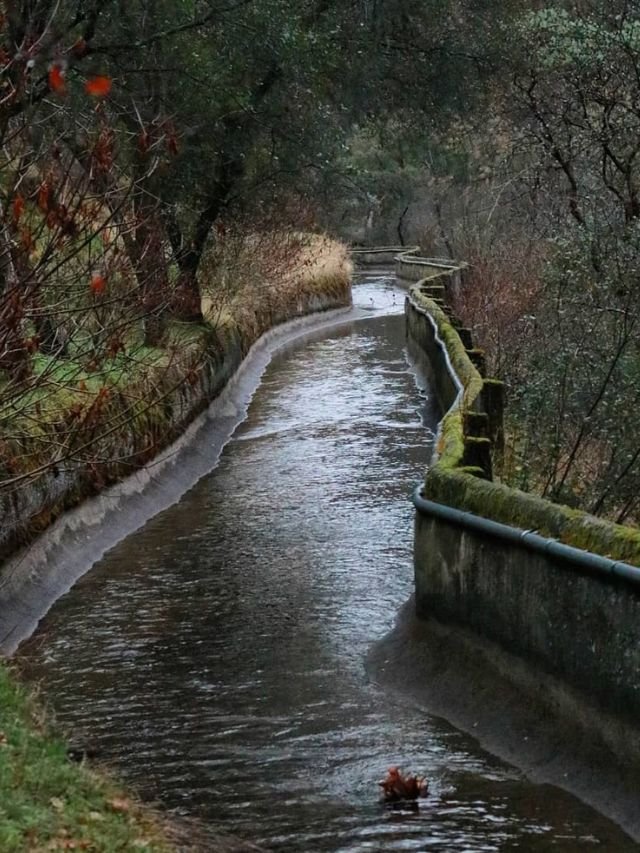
(216, 656)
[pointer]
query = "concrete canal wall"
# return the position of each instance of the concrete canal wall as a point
(554, 587)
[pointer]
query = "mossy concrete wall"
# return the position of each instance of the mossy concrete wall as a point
(408, 263)
(579, 626)
(375, 256)
(449, 480)
(30, 508)
(411, 267)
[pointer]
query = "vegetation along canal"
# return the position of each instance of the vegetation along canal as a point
(216, 656)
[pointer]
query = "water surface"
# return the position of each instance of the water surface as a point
(216, 656)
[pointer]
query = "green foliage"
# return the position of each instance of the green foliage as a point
(49, 803)
(563, 41)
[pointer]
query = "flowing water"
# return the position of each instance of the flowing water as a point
(216, 656)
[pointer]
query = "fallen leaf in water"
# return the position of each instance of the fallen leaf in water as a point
(396, 787)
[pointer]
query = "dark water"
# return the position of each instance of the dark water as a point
(216, 657)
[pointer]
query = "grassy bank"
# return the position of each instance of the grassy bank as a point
(77, 426)
(49, 803)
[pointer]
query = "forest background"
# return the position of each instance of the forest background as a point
(164, 163)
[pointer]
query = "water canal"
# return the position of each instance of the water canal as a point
(216, 655)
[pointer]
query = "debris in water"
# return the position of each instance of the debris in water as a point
(396, 787)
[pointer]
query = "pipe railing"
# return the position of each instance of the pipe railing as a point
(583, 561)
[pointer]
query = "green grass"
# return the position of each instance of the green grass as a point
(48, 803)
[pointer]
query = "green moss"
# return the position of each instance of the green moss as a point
(449, 481)
(49, 803)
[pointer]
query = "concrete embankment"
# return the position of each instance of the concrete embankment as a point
(34, 577)
(529, 612)
(515, 711)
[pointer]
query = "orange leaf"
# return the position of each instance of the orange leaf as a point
(56, 79)
(98, 284)
(18, 207)
(98, 86)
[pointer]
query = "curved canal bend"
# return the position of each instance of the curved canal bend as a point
(216, 656)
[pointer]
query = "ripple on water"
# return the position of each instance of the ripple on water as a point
(216, 656)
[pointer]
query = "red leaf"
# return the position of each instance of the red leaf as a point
(98, 284)
(143, 141)
(103, 150)
(26, 240)
(56, 79)
(98, 87)
(397, 787)
(18, 208)
(172, 144)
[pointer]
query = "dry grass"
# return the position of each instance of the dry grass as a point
(255, 281)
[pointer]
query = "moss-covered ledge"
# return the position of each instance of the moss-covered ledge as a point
(452, 481)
